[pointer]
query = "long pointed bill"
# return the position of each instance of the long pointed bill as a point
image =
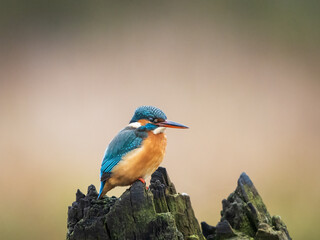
(171, 124)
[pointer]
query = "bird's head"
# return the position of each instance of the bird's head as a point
(152, 118)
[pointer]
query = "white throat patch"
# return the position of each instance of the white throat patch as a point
(135, 125)
(159, 130)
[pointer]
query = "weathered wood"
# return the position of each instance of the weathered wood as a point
(157, 213)
(245, 216)
(162, 213)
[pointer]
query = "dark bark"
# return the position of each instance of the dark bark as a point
(245, 216)
(162, 213)
(157, 213)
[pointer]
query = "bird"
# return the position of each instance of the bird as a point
(137, 150)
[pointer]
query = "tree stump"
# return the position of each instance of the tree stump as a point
(157, 213)
(161, 213)
(245, 216)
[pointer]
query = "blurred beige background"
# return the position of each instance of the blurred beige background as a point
(243, 76)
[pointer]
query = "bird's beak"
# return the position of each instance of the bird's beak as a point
(171, 124)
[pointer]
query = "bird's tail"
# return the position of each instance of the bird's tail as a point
(101, 189)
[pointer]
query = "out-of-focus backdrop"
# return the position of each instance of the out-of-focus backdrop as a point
(244, 75)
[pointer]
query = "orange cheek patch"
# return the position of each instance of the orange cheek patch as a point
(143, 122)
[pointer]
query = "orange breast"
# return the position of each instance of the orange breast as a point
(141, 162)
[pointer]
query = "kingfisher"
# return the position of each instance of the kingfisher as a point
(137, 151)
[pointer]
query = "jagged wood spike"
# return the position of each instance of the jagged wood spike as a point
(162, 213)
(245, 216)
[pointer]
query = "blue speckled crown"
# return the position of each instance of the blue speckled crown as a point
(147, 112)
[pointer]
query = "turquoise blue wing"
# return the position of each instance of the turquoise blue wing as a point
(127, 140)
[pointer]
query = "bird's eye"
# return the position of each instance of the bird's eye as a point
(156, 120)
(151, 119)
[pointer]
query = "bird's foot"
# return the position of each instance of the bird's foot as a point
(142, 180)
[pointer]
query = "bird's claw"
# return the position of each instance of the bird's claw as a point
(142, 180)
